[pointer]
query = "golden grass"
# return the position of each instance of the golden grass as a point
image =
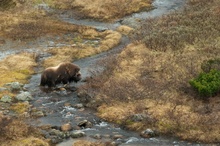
(123, 29)
(103, 9)
(20, 107)
(29, 141)
(17, 67)
(110, 9)
(152, 82)
(16, 132)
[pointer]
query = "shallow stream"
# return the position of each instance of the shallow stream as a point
(59, 105)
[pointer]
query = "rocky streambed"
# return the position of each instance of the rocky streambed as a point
(61, 114)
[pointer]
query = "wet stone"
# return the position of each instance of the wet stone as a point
(97, 136)
(3, 89)
(77, 134)
(55, 132)
(78, 106)
(85, 124)
(118, 136)
(24, 96)
(56, 140)
(101, 29)
(38, 114)
(14, 86)
(148, 133)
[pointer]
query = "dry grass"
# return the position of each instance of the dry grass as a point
(14, 130)
(20, 107)
(156, 84)
(152, 77)
(29, 141)
(197, 25)
(17, 67)
(126, 30)
(26, 22)
(31, 24)
(103, 9)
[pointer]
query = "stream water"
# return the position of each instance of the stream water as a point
(59, 105)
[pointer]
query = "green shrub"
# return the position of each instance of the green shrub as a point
(207, 84)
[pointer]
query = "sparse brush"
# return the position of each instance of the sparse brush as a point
(192, 26)
(153, 77)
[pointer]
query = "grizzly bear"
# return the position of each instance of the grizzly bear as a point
(65, 72)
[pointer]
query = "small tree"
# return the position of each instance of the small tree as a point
(207, 84)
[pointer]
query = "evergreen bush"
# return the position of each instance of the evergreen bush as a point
(207, 84)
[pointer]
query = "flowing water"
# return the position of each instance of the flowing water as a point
(59, 105)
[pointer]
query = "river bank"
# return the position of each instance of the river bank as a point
(64, 106)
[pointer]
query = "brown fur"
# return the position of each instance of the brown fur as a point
(65, 72)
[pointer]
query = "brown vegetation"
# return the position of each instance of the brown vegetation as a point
(151, 76)
(103, 9)
(16, 132)
(24, 22)
(179, 30)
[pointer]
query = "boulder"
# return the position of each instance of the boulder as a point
(6, 98)
(77, 134)
(24, 96)
(148, 133)
(14, 86)
(85, 124)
